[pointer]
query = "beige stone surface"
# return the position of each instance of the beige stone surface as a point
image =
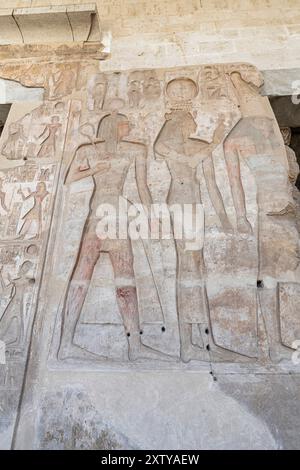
(10, 33)
(220, 298)
(183, 342)
(175, 32)
(43, 23)
(49, 24)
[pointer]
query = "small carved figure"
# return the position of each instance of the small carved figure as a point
(14, 146)
(135, 89)
(61, 82)
(2, 197)
(50, 134)
(35, 215)
(96, 91)
(14, 312)
(151, 85)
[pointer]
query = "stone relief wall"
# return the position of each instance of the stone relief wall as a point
(201, 136)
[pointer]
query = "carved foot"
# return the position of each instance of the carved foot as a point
(145, 352)
(76, 352)
(219, 354)
(289, 209)
(194, 353)
(244, 226)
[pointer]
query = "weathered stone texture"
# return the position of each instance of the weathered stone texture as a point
(177, 32)
(222, 297)
(184, 342)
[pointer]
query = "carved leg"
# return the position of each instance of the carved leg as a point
(76, 293)
(214, 193)
(122, 260)
(24, 229)
(268, 299)
(189, 300)
(237, 191)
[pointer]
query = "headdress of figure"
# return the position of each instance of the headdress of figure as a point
(248, 74)
(109, 130)
(181, 92)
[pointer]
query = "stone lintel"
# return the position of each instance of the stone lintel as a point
(52, 24)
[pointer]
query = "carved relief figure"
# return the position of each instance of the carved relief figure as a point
(14, 313)
(183, 154)
(61, 81)
(50, 134)
(253, 139)
(14, 145)
(135, 88)
(96, 91)
(214, 84)
(35, 215)
(151, 85)
(107, 161)
(2, 197)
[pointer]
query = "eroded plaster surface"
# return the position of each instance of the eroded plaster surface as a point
(105, 336)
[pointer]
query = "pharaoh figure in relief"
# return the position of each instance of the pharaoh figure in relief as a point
(107, 160)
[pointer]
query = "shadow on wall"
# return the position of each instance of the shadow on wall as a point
(288, 115)
(4, 110)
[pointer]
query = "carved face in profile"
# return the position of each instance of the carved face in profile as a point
(112, 129)
(181, 89)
